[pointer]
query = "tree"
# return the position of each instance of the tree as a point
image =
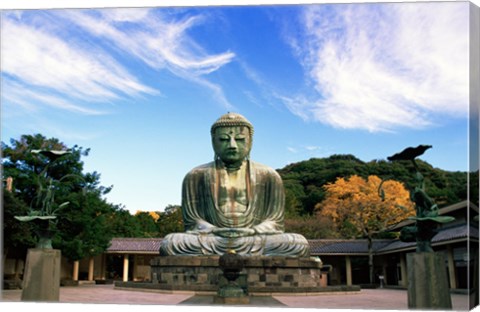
(170, 221)
(311, 228)
(304, 180)
(81, 229)
(365, 207)
(146, 221)
(294, 195)
(159, 223)
(123, 224)
(18, 235)
(312, 174)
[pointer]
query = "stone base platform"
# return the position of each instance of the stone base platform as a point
(428, 282)
(41, 281)
(260, 276)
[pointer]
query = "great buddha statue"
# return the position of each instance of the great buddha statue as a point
(233, 203)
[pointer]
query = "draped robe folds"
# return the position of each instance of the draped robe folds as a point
(264, 214)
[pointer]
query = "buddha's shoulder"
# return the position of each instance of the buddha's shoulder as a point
(202, 169)
(261, 168)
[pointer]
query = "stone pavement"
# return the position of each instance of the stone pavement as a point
(369, 299)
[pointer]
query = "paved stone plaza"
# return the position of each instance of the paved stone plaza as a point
(377, 299)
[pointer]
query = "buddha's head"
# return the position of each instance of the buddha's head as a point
(232, 139)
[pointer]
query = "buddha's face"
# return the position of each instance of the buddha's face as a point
(232, 144)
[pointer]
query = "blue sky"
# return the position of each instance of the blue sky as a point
(142, 86)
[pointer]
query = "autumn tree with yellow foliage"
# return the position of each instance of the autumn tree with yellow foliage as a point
(362, 207)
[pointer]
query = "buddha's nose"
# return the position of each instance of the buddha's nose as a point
(232, 143)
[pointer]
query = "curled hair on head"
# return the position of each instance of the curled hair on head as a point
(232, 120)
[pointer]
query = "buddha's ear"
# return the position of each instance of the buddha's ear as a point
(247, 157)
(250, 144)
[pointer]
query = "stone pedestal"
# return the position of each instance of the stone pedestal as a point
(260, 274)
(41, 280)
(428, 283)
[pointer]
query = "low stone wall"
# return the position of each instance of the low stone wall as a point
(260, 274)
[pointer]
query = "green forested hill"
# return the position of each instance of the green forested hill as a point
(304, 180)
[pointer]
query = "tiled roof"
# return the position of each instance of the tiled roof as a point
(318, 246)
(360, 246)
(456, 232)
(135, 245)
(445, 235)
(344, 246)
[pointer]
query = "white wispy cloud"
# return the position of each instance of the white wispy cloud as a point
(292, 149)
(43, 59)
(381, 67)
(26, 99)
(69, 59)
(310, 150)
(156, 41)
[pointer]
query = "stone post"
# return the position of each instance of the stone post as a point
(125, 267)
(41, 281)
(103, 273)
(76, 265)
(91, 264)
(348, 268)
(403, 270)
(451, 268)
(427, 281)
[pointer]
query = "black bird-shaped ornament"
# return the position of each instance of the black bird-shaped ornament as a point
(410, 153)
(51, 154)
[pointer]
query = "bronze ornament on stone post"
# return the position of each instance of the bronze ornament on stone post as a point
(427, 277)
(41, 281)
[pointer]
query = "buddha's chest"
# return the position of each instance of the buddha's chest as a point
(232, 194)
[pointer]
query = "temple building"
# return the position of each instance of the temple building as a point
(128, 259)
